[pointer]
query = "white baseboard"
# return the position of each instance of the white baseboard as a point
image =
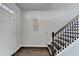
(33, 45)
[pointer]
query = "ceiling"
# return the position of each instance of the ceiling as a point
(47, 6)
(34, 6)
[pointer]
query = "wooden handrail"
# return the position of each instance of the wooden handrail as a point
(65, 25)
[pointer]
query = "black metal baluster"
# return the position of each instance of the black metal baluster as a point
(77, 27)
(70, 32)
(65, 37)
(58, 42)
(55, 37)
(53, 41)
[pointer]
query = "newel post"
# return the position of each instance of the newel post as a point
(52, 37)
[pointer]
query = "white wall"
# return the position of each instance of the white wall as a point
(10, 30)
(17, 12)
(49, 21)
(18, 25)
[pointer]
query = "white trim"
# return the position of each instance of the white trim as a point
(33, 45)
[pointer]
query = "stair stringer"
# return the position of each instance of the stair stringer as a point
(71, 50)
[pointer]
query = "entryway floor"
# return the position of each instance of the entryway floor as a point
(32, 52)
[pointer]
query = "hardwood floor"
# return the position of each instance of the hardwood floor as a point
(31, 51)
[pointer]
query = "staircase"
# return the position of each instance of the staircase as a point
(64, 37)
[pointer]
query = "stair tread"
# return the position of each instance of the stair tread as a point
(56, 45)
(51, 48)
(60, 42)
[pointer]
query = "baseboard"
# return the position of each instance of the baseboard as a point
(33, 45)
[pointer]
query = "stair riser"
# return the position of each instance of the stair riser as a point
(56, 45)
